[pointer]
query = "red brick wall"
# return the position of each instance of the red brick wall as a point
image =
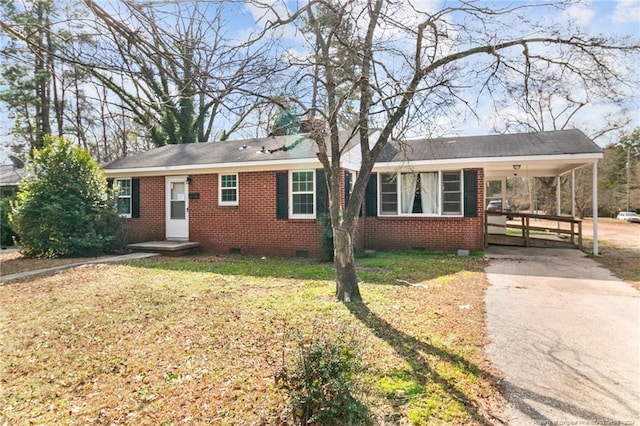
(253, 228)
(150, 225)
(431, 233)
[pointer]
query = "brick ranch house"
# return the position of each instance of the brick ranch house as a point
(245, 196)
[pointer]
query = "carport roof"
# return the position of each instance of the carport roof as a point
(538, 154)
(558, 142)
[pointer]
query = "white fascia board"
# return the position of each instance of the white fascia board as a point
(350, 165)
(248, 166)
(484, 161)
(352, 158)
(568, 170)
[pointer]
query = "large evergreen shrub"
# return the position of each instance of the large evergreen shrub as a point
(63, 206)
(6, 233)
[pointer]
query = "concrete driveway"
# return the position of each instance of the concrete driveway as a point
(566, 335)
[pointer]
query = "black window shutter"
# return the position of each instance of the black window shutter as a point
(282, 199)
(371, 196)
(135, 197)
(110, 183)
(322, 196)
(347, 186)
(470, 193)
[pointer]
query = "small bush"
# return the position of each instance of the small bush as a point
(63, 206)
(321, 384)
(6, 232)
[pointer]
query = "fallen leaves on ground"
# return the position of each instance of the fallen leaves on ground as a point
(176, 341)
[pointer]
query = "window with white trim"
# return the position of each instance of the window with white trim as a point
(123, 195)
(302, 193)
(451, 193)
(388, 194)
(228, 189)
(426, 193)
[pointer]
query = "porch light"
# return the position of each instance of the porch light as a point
(516, 166)
(188, 180)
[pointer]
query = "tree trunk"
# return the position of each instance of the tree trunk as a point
(42, 82)
(58, 96)
(347, 289)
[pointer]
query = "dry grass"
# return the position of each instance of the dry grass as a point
(198, 340)
(621, 261)
(619, 247)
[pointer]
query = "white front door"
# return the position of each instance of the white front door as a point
(177, 208)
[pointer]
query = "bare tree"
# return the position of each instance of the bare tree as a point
(176, 71)
(414, 65)
(551, 102)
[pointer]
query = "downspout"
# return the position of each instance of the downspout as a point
(595, 209)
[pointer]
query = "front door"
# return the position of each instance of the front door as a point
(177, 208)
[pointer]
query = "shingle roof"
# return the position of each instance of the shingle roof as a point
(10, 175)
(491, 146)
(248, 150)
(237, 151)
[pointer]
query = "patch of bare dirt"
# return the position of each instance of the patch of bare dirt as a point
(619, 247)
(612, 231)
(618, 232)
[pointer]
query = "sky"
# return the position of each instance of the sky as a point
(594, 17)
(613, 17)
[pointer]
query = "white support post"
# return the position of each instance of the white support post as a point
(594, 192)
(558, 197)
(503, 192)
(558, 201)
(573, 193)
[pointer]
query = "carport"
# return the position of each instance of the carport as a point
(549, 154)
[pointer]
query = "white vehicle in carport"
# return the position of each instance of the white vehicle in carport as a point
(629, 217)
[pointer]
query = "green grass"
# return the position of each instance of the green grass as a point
(379, 267)
(200, 339)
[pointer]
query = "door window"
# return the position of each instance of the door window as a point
(178, 210)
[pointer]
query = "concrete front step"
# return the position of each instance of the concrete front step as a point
(167, 247)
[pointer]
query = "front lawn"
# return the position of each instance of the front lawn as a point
(200, 340)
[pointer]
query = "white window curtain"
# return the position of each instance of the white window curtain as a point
(408, 188)
(429, 192)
